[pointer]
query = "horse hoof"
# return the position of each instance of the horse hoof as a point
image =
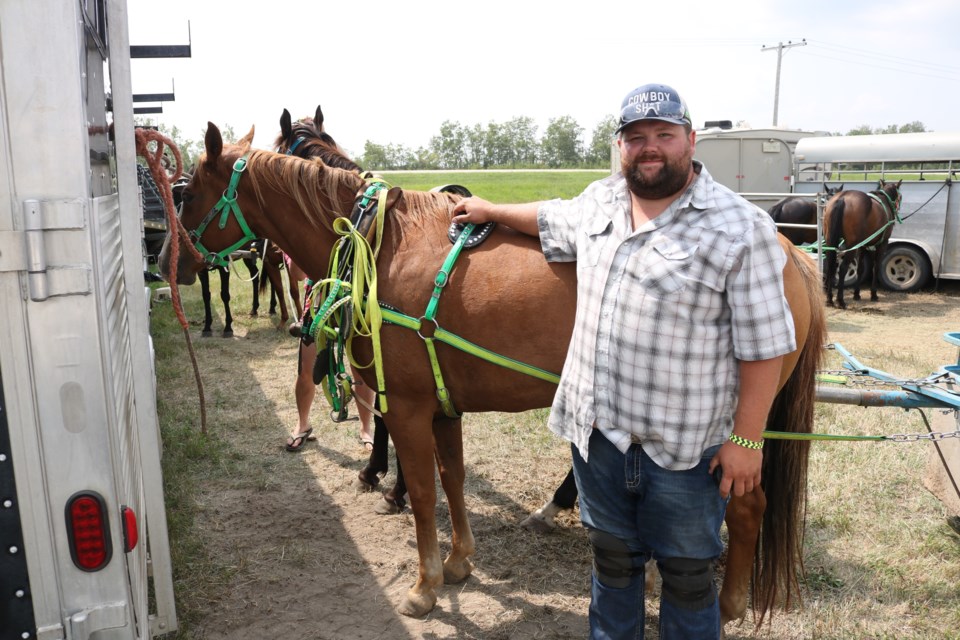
(537, 523)
(228, 334)
(386, 508)
(417, 605)
(253, 314)
(206, 334)
(456, 572)
(365, 484)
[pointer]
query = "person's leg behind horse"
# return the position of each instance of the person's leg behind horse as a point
(304, 392)
(365, 397)
(634, 509)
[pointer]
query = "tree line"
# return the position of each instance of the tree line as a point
(514, 144)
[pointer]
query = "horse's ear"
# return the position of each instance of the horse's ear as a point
(840, 188)
(214, 144)
(318, 119)
(286, 125)
(247, 140)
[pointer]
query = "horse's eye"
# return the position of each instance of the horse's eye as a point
(187, 197)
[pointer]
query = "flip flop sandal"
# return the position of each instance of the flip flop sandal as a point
(364, 442)
(298, 441)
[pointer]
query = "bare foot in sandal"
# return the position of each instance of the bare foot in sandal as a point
(297, 441)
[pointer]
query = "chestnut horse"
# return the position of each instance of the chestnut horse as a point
(504, 282)
(854, 224)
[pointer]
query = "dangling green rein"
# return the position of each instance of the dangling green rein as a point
(343, 309)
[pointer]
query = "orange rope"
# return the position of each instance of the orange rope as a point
(155, 160)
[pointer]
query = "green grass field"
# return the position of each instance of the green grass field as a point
(501, 186)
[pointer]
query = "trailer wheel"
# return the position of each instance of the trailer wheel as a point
(905, 269)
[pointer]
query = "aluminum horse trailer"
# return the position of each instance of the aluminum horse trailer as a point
(84, 548)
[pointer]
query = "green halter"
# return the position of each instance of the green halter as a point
(225, 206)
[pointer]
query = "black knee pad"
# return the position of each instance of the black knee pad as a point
(688, 582)
(613, 560)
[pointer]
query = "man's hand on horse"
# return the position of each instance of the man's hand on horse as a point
(473, 210)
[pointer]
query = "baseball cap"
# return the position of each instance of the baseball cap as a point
(653, 102)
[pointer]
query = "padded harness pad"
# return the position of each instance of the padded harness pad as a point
(479, 233)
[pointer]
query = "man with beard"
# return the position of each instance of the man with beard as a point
(680, 330)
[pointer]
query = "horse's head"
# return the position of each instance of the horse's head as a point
(892, 190)
(306, 138)
(830, 191)
(210, 209)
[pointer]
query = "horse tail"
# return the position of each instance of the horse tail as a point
(779, 559)
(834, 234)
(264, 276)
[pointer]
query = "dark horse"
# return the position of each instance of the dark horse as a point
(797, 210)
(306, 138)
(307, 202)
(855, 223)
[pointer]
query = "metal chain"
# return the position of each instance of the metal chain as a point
(916, 437)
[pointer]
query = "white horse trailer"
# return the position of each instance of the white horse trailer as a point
(927, 242)
(83, 541)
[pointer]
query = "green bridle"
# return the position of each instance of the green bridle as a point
(225, 206)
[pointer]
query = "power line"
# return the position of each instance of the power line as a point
(900, 60)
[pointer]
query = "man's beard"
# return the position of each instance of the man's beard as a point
(671, 178)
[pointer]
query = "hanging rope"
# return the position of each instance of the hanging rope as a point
(155, 161)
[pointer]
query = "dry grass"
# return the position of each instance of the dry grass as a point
(272, 544)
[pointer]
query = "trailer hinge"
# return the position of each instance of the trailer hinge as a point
(50, 632)
(25, 250)
(110, 615)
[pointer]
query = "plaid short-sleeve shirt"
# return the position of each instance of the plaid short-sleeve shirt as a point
(664, 312)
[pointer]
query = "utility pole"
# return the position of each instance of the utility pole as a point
(780, 47)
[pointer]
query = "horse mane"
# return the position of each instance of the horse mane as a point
(314, 185)
(316, 143)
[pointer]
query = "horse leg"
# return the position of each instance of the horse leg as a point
(295, 293)
(743, 519)
(410, 425)
(542, 520)
(862, 265)
(204, 277)
(448, 436)
(276, 283)
(225, 297)
(378, 462)
(841, 279)
(255, 279)
(877, 257)
(394, 499)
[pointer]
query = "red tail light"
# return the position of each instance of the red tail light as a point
(88, 531)
(130, 532)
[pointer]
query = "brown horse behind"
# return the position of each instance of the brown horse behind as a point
(505, 282)
(855, 224)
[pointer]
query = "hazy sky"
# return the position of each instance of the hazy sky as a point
(393, 72)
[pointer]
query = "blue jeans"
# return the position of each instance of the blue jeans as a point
(657, 513)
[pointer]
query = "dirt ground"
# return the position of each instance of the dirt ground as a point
(304, 556)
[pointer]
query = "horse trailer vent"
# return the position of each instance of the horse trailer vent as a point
(88, 531)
